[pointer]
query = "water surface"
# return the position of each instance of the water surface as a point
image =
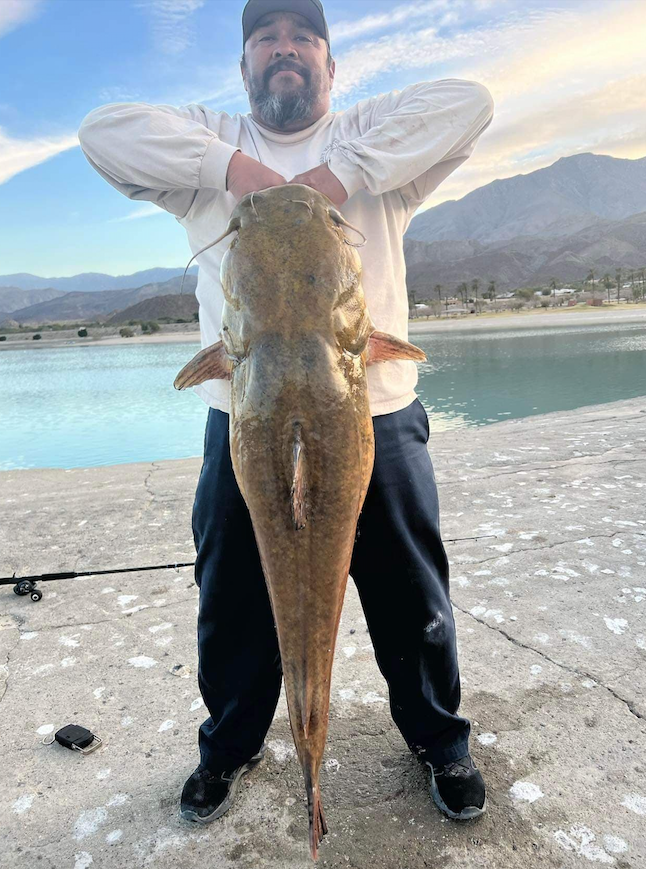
(80, 406)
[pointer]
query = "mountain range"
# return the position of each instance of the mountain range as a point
(587, 211)
(99, 305)
(584, 212)
(91, 282)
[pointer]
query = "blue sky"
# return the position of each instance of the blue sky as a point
(567, 76)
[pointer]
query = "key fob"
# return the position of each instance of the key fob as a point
(76, 738)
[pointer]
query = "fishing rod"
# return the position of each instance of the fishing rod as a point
(27, 583)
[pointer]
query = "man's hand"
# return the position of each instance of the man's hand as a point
(325, 181)
(246, 175)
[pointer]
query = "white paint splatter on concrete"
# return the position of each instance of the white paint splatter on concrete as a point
(332, 765)
(542, 638)
(125, 599)
(589, 683)
(614, 844)
(373, 697)
(487, 738)
(349, 651)
(118, 800)
(196, 704)
(29, 635)
(70, 641)
(163, 641)
(44, 729)
(617, 626)
(636, 803)
(127, 720)
(346, 693)
(580, 839)
(114, 836)
(163, 627)
(281, 750)
(99, 691)
(107, 590)
(23, 804)
(142, 661)
(88, 822)
(68, 662)
(82, 860)
(135, 609)
(535, 669)
(486, 613)
(166, 725)
(525, 790)
(103, 773)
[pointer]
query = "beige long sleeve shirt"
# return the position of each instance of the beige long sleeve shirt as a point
(390, 152)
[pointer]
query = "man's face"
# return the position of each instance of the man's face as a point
(285, 70)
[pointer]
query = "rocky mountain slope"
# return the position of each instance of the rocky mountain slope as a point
(77, 307)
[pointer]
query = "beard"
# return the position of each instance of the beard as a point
(295, 103)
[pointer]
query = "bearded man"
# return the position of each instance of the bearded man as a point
(378, 162)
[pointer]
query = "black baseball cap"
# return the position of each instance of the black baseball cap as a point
(310, 9)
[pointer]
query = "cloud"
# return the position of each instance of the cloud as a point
(173, 30)
(16, 155)
(147, 210)
(13, 13)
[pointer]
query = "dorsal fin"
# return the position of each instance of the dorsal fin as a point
(299, 488)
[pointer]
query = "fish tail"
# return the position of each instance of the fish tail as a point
(318, 825)
(299, 490)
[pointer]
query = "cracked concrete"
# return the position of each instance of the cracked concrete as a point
(551, 640)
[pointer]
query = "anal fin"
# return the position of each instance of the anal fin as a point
(299, 483)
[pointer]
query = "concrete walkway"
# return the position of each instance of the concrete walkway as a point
(552, 644)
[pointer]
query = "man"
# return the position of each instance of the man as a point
(378, 161)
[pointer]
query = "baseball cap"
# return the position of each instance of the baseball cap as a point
(310, 9)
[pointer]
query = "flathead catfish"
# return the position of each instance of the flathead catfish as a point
(295, 341)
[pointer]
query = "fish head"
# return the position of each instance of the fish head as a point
(290, 265)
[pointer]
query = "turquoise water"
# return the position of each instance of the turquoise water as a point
(81, 406)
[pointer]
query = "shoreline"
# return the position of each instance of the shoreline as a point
(501, 320)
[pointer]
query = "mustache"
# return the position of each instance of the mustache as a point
(281, 65)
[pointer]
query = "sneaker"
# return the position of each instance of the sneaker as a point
(208, 795)
(458, 789)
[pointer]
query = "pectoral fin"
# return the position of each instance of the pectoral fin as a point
(382, 347)
(212, 363)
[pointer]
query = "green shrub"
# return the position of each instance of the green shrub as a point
(3, 337)
(82, 333)
(36, 337)
(126, 333)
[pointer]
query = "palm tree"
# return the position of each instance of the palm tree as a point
(463, 290)
(607, 284)
(618, 277)
(590, 279)
(491, 291)
(553, 287)
(475, 283)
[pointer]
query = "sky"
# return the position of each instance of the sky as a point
(566, 76)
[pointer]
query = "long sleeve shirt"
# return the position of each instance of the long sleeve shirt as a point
(390, 152)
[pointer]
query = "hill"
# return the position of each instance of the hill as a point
(92, 282)
(78, 307)
(172, 306)
(13, 298)
(574, 193)
(524, 261)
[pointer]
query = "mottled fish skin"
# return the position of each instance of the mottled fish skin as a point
(295, 337)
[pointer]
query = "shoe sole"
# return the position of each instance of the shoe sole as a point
(226, 804)
(467, 813)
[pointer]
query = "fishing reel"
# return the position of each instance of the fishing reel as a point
(26, 586)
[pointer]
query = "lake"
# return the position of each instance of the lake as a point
(81, 406)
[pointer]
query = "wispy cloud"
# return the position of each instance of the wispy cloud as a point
(147, 210)
(13, 13)
(16, 155)
(173, 30)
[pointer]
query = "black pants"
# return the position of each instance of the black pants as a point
(401, 572)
